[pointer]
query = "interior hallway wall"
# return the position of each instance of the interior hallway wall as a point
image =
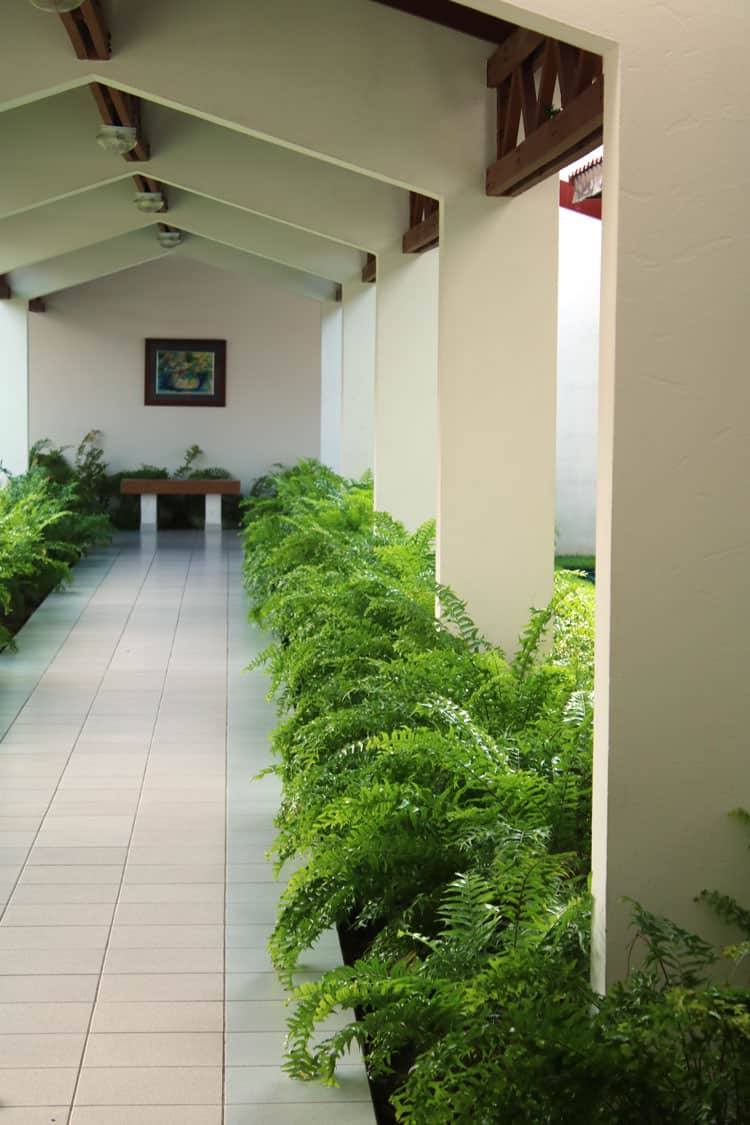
(87, 368)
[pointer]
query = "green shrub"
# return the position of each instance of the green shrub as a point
(436, 800)
(44, 529)
(174, 511)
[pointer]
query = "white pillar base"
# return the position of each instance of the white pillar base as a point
(213, 510)
(148, 511)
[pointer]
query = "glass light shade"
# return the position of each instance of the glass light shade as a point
(117, 138)
(148, 200)
(169, 238)
(56, 5)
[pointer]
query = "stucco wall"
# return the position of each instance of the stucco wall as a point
(87, 368)
(577, 381)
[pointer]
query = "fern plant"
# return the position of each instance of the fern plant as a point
(436, 802)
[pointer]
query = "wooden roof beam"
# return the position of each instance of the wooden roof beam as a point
(455, 16)
(5, 290)
(424, 218)
(553, 136)
(560, 139)
(519, 46)
(37, 305)
(118, 108)
(88, 32)
(370, 269)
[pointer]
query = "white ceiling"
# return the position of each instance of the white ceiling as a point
(284, 130)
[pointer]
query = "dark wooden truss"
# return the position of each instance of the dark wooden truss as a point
(88, 32)
(457, 17)
(424, 224)
(370, 269)
(526, 70)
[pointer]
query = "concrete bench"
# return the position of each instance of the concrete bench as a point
(149, 489)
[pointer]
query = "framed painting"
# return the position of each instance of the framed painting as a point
(186, 372)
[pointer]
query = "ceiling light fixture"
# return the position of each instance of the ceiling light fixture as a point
(168, 239)
(56, 5)
(149, 200)
(117, 138)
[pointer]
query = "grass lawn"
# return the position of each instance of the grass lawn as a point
(585, 563)
(575, 562)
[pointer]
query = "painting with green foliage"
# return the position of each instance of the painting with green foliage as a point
(179, 372)
(185, 373)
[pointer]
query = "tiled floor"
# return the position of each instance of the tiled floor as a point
(135, 986)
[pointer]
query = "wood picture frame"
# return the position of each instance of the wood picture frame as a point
(185, 372)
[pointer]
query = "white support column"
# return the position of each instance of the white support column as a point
(358, 382)
(406, 385)
(673, 521)
(498, 343)
(213, 510)
(331, 347)
(14, 385)
(149, 519)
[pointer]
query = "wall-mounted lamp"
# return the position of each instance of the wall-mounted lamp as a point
(56, 5)
(117, 138)
(150, 201)
(168, 239)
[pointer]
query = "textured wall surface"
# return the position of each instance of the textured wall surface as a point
(87, 368)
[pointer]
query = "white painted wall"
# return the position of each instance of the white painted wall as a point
(358, 383)
(406, 429)
(331, 358)
(577, 381)
(497, 387)
(14, 402)
(87, 368)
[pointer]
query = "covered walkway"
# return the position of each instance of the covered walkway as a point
(135, 985)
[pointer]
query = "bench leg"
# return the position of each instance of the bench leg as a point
(213, 510)
(148, 511)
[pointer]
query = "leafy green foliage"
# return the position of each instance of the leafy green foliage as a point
(45, 527)
(174, 511)
(436, 804)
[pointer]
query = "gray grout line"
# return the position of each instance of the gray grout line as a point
(228, 602)
(140, 793)
(55, 791)
(55, 652)
(191, 580)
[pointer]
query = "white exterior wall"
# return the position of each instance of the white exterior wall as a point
(87, 368)
(331, 353)
(577, 381)
(14, 392)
